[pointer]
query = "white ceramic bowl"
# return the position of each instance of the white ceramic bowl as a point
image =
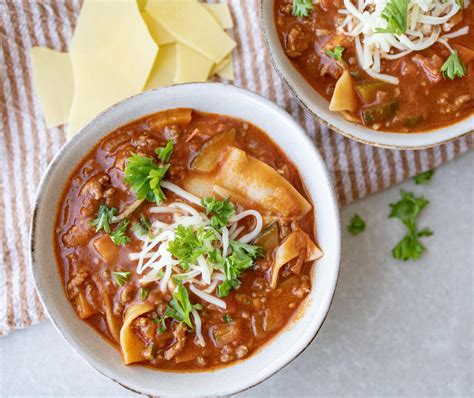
(318, 106)
(207, 97)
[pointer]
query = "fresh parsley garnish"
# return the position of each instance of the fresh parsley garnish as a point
(453, 67)
(104, 218)
(144, 292)
(221, 210)
(121, 277)
(164, 153)
(357, 225)
(460, 3)
(180, 307)
(336, 53)
(143, 226)
(144, 176)
(227, 318)
(407, 210)
(396, 15)
(190, 243)
(242, 258)
(302, 8)
(423, 178)
(118, 235)
(162, 322)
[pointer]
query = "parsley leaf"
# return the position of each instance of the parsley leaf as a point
(357, 225)
(118, 235)
(143, 226)
(423, 178)
(241, 259)
(453, 67)
(164, 153)
(144, 292)
(144, 176)
(302, 8)
(396, 15)
(227, 318)
(407, 210)
(221, 209)
(121, 277)
(189, 244)
(180, 307)
(336, 53)
(104, 218)
(460, 3)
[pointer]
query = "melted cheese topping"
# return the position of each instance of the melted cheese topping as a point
(428, 22)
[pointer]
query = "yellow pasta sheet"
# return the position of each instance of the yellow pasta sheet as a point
(191, 66)
(112, 53)
(164, 69)
(192, 25)
(53, 83)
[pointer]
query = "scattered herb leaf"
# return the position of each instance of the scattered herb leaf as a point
(118, 235)
(191, 243)
(227, 318)
(396, 15)
(336, 53)
(221, 210)
(164, 153)
(104, 218)
(423, 178)
(143, 226)
(407, 209)
(453, 67)
(144, 176)
(357, 225)
(180, 307)
(121, 277)
(302, 8)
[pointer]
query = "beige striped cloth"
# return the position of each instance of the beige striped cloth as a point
(26, 145)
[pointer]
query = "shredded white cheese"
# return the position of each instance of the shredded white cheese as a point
(156, 264)
(426, 22)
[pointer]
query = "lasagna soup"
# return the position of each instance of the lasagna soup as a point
(395, 65)
(186, 239)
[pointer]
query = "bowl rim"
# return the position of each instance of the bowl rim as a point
(64, 153)
(312, 110)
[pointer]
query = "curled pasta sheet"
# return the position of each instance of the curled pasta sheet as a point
(113, 323)
(251, 178)
(344, 97)
(132, 346)
(290, 249)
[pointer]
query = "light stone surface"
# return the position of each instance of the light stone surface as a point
(394, 329)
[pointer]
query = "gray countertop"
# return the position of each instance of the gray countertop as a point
(394, 329)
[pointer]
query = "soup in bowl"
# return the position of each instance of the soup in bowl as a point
(188, 239)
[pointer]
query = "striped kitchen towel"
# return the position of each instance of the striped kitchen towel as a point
(26, 145)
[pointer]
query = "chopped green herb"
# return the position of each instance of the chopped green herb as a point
(302, 8)
(162, 327)
(191, 243)
(221, 210)
(155, 321)
(143, 226)
(396, 15)
(407, 209)
(144, 292)
(336, 53)
(357, 225)
(227, 318)
(453, 67)
(104, 218)
(164, 154)
(423, 178)
(121, 277)
(242, 258)
(144, 176)
(460, 3)
(180, 307)
(118, 235)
